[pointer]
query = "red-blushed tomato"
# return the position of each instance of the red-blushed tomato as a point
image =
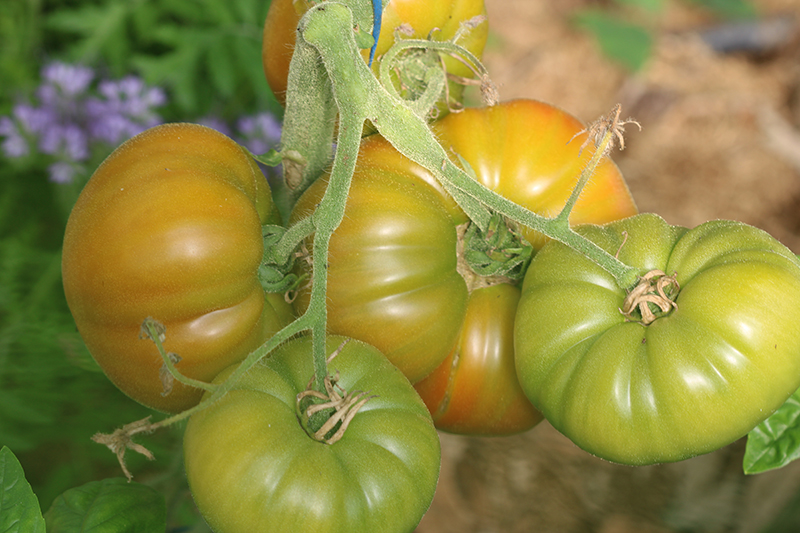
(394, 278)
(475, 390)
(169, 227)
(524, 150)
(423, 16)
(719, 353)
(252, 467)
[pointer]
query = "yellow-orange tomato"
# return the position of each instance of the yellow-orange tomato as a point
(524, 150)
(423, 16)
(394, 279)
(169, 227)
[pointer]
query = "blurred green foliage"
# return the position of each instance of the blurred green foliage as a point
(205, 53)
(623, 29)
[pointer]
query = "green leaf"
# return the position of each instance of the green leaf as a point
(775, 442)
(109, 506)
(735, 9)
(19, 508)
(654, 6)
(621, 41)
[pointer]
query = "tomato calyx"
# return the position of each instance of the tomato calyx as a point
(499, 255)
(326, 415)
(654, 288)
(276, 270)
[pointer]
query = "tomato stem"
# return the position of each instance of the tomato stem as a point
(156, 332)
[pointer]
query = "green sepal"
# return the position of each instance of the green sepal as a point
(499, 251)
(276, 273)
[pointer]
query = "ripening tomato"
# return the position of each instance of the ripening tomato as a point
(169, 227)
(662, 383)
(252, 467)
(475, 390)
(423, 16)
(396, 279)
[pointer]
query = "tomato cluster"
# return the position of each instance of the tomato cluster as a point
(397, 278)
(422, 334)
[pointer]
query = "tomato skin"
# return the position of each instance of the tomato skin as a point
(393, 279)
(252, 467)
(475, 390)
(424, 16)
(690, 382)
(528, 152)
(169, 227)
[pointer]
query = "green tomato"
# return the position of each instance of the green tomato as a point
(702, 374)
(252, 466)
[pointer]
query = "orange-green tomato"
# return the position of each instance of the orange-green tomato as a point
(394, 279)
(169, 227)
(423, 16)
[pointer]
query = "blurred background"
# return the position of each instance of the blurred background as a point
(715, 85)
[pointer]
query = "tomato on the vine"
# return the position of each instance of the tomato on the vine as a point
(443, 18)
(169, 227)
(252, 466)
(475, 390)
(396, 278)
(692, 359)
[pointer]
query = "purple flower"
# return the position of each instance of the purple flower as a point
(71, 115)
(14, 144)
(70, 80)
(259, 132)
(123, 110)
(216, 123)
(63, 171)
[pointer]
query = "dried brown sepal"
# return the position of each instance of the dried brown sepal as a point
(167, 379)
(146, 333)
(601, 127)
(655, 288)
(345, 405)
(122, 440)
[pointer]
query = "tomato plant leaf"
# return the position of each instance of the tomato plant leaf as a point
(729, 8)
(626, 43)
(653, 6)
(19, 508)
(775, 442)
(109, 506)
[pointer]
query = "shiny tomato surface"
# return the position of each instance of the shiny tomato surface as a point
(169, 227)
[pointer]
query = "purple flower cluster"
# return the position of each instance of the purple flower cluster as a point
(258, 133)
(71, 115)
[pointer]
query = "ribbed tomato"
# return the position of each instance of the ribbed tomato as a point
(252, 467)
(692, 359)
(169, 227)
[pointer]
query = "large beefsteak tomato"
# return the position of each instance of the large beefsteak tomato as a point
(169, 227)
(252, 467)
(694, 361)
